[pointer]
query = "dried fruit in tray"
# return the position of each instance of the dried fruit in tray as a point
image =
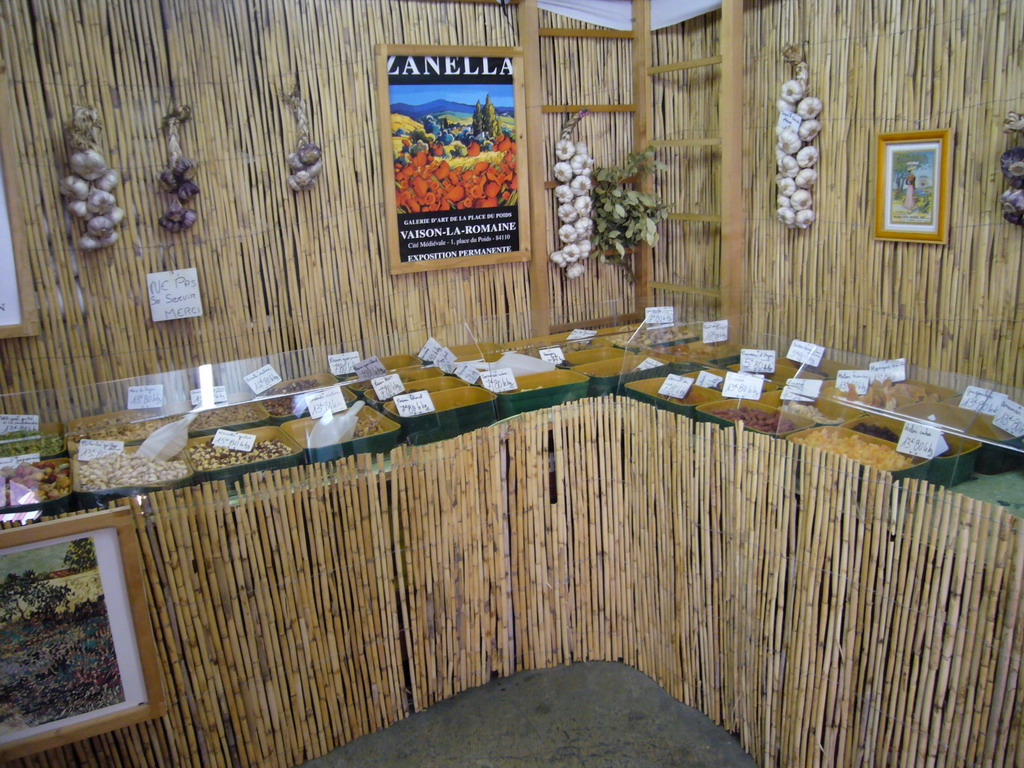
(243, 413)
(208, 456)
(117, 428)
(125, 470)
(810, 412)
(762, 421)
(289, 406)
(44, 481)
(20, 443)
(855, 447)
(876, 430)
(890, 396)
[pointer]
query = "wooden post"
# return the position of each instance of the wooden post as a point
(730, 111)
(642, 259)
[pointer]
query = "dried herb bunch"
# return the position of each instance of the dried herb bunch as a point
(623, 216)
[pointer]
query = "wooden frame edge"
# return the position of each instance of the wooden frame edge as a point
(945, 138)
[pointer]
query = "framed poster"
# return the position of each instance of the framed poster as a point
(78, 650)
(912, 186)
(454, 152)
(17, 298)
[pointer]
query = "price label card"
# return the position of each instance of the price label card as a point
(151, 396)
(660, 315)
(892, 370)
(985, 401)
(757, 360)
(429, 350)
(716, 331)
(801, 390)
(805, 352)
(445, 360)
(675, 386)
(858, 381)
(647, 364)
(95, 449)
(370, 368)
(501, 380)
(18, 422)
(467, 373)
(387, 387)
(552, 355)
(13, 461)
(1010, 418)
(235, 441)
(262, 379)
(789, 120)
(343, 364)
(217, 396)
(414, 404)
(745, 386)
(581, 334)
(709, 380)
(919, 440)
(324, 401)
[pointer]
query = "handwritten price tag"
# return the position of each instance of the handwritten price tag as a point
(414, 404)
(429, 350)
(468, 373)
(343, 364)
(370, 368)
(501, 380)
(235, 441)
(581, 334)
(789, 120)
(326, 400)
(805, 352)
(858, 381)
(1010, 418)
(675, 386)
(14, 461)
(744, 386)
(714, 332)
(95, 449)
(985, 401)
(552, 355)
(757, 360)
(387, 387)
(922, 441)
(216, 396)
(893, 370)
(660, 315)
(445, 360)
(709, 380)
(647, 364)
(18, 422)
(801, 390)
(151, 396)
(262, 379)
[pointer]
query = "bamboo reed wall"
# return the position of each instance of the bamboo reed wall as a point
(827, 616)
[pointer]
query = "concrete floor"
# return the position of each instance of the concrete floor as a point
(595, 715)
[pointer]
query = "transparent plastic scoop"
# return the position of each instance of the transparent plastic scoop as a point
(166, 441)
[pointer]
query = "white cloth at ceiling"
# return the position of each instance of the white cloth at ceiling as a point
(618, 14)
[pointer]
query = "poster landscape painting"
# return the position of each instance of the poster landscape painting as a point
(57, 657)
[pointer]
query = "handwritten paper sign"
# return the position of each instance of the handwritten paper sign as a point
(552, 355)
(343, 364)
(445, 360)
(95, 449)
(174, 295)
(801, 390)
(468, 373)
(429, 350)
(387, 387)
(804, 352)
(922, 441)
(1010, 418)
(858, 381)
(14, 461)
(715, 331)
(647, 364)
(985, 401)
(660, 315)
(744, 386)
(219, 395)
(329, 400)
(757, 360)
(581, 334)
(235, 441)
(500, 380)
(709, 380)
(414, 404)
(892, 370)
(150, 396)
(262, 379)
(675, 386)
(790, 120)
(370, 368)
(18, 422)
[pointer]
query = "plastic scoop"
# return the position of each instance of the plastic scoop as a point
(332, 429)
(166, 441)
(521, 365)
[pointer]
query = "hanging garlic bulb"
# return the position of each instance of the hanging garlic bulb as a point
(567, 213)
(785, 184)
(792, 91)
(795, 160)
(581, 185)
(573, 170)
(306, 161)
(563, 171)
(800, 200)
(583, 205)
(806, 179)
(178, 176)
(567, 233)
(584, 228)
(91, 202)
(564, 149)
(788, 166)
(787, 216)
(809, 129)
(584, 246)
(563, 193)
(807, 157)
(558, 257)
(783, 201)
(789, 142)
(572, 253)
(804, 218)
(575, 270)
(809, 108)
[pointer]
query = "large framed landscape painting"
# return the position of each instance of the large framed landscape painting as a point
(77, 656)
(912, 186)
(453, 146)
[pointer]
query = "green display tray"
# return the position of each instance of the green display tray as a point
(44, 429)
(277, 421)
(233, 473)
(948, 471)
(543, 390)
(381, 442)
(95, 499)
(606, 375)
(458, 411)
(994, 460)
(702, 413)
(46, 508)
(723, 362)
(646, 391)
(919, 471)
